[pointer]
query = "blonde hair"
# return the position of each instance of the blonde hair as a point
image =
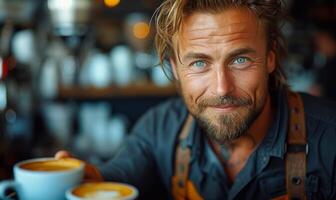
(169, 16)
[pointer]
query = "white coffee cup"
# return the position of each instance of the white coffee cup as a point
(103, 191)
(44, 178)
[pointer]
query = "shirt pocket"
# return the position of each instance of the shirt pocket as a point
(273, 186)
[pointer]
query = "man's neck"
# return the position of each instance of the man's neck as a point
(234, 155)
(257, 131)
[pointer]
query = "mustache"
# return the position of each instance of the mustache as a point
(229, 100)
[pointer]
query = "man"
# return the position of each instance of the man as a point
(225, 56)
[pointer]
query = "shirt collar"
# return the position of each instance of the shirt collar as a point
(193, 140)
(274, 142)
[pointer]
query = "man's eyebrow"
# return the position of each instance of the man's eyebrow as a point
(240, 51)
(194, 55)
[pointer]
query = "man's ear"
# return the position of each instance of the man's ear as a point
(271, 60)
(174, 67)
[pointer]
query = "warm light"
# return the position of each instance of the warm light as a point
(111, 3)
(141, 30)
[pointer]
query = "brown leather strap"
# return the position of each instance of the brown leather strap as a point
(180, 179)
(296, 149)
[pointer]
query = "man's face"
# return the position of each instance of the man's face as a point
(222, 67)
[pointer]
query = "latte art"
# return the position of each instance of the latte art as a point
(104, 191)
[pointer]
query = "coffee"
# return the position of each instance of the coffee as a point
(103, 190)
(52, 165)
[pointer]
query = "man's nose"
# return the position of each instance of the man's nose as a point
(224, 82)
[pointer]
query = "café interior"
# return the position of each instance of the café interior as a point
(77, 74)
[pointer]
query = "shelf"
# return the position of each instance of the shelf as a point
(131, 91)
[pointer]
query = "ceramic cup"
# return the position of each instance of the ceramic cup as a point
(44, 178)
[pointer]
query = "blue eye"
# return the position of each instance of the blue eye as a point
(199, 64)
(240, 60)
(241, 63)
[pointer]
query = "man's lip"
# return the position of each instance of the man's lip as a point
(224, 108)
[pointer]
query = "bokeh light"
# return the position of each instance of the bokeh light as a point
(111, 3)
(141, 30)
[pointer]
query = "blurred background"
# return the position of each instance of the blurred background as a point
(77, 74)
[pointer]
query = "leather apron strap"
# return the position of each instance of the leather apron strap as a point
(182, 188)
(296, 149)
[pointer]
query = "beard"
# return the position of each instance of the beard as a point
(225, 128)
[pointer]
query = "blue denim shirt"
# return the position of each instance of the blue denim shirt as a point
(146, 160)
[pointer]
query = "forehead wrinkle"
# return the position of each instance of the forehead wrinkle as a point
(227, 34)
(226, 40)
(219, 39)
(238, 28)
(204, 42)
(233, 24)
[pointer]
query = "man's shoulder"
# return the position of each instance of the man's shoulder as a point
(320, 109)
(320, 117)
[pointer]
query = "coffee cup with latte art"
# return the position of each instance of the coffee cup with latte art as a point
(102, 191)
(44, 178)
